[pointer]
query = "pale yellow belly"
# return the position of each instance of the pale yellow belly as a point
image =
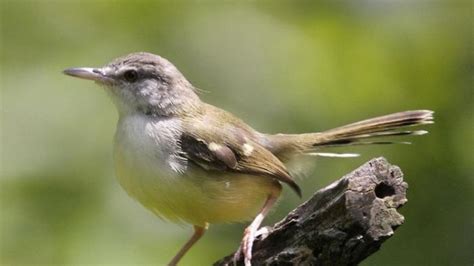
(197, 198)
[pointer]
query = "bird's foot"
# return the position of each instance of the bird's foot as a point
(245, 247)
(247, 243)
(251, 232)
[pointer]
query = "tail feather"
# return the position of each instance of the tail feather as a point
(334, 155)
(392, 133)
(383, 126)
(392, 125)
(356, 139)
(354, 143)
(383, 123)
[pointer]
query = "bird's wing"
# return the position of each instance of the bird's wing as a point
(235, 154)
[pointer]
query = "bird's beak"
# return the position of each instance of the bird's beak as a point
(95, 74)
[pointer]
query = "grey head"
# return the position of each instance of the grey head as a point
(143, 82)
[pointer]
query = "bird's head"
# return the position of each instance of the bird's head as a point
(143, 82)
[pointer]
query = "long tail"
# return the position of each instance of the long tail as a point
(359, 133)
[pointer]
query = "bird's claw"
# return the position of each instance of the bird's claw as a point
(245, 248)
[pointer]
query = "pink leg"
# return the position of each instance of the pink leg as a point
(250, 232)
(198, 233)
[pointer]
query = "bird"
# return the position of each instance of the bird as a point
(188, 161)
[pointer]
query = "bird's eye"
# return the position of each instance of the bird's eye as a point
(130, 75)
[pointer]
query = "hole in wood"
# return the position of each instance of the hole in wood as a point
(383, 190)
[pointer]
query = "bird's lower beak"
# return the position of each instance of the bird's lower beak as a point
(95, 74)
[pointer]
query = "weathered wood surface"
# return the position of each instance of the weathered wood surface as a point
(341, 224)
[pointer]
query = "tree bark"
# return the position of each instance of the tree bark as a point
(341, 224)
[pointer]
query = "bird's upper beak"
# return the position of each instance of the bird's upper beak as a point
(96, 74)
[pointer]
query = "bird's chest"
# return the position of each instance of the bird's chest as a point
(146, 155)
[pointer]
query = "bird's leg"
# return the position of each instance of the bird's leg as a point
(198, 233)
(251, 232)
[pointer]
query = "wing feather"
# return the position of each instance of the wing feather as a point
(238, 154)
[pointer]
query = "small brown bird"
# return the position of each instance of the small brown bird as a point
(189, 161)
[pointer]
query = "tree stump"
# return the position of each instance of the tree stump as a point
(341, 224)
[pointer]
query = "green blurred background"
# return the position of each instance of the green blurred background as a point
(281, 66)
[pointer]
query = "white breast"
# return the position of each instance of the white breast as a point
(151, 140)
(146, 155)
